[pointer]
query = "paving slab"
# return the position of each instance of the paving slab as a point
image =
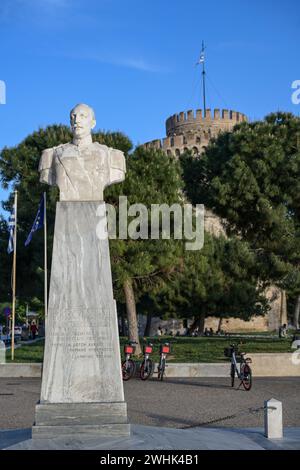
(174, 403)
(154, 438)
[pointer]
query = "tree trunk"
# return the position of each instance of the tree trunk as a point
(133, 332)
(200, 323)
(123, 332)
(148, 324)
(220, 323)
(297, 312)
(283, 308)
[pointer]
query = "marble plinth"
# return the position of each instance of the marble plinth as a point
(82, 388)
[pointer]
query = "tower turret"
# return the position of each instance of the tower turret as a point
(193, 130)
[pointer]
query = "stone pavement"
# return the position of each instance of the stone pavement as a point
(155, 438)
(174, 414)
(174, 403)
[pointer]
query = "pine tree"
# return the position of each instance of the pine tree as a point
(250, 177)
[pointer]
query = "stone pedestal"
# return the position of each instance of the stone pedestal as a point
(82, 388)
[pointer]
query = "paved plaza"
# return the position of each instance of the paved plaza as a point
(211, 413)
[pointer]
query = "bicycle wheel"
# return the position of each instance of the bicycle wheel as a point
(161, 369)
(146, 369)
(232, 374)
(247, 377)
(128, 369)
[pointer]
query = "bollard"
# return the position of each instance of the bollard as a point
(273, 419)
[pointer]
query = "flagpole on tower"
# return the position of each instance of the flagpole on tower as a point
(45, 260)
(203, 77)
(14, 281)
(202, 61)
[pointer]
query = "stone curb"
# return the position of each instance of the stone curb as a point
(263, 365)
(30, 370)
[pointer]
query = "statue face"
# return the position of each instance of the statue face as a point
(82, 120)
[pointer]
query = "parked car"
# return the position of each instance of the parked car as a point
(296, 340)
(25, 332)
(18, 333)
(3, 333)
(6, 337)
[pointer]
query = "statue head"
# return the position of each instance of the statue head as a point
(82, 119)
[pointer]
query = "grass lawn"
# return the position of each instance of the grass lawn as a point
(184, 349)
(28, 352)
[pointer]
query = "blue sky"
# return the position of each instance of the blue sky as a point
(134, 60)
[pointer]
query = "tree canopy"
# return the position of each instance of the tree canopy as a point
(19, 171)
(250, 178)
(220, 280)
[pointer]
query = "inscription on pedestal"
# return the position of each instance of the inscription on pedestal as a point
(84, 337)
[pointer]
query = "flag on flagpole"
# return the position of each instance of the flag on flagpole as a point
(38, 221)
(11, 228)
(201, 59)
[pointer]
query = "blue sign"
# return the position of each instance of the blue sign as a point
(7, 311)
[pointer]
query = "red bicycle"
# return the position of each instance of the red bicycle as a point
(128, 366)
(147, 365)
(164, 350)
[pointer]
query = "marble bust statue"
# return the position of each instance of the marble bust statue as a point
(82, 169)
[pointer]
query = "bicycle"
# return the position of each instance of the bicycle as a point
(245, 372)
(147, 365)
(164, 350)
(128, 366)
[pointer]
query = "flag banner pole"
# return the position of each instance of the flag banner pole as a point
(14, 282)
(40, 221)
(45, 259)
(202, 61)
(203, 77)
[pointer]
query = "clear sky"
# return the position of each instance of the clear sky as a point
(134, 60)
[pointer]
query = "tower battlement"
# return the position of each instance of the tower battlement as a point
(190, 120)
(192, 130)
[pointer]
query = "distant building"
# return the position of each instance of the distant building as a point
(193, 131)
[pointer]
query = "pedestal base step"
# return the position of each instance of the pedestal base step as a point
(62, 419)
(103, 430)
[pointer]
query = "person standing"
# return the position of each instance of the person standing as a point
(282, 331)
(33, 329)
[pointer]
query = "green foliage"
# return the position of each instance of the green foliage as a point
(219, 280)
(19, 170)
(184, 349)
(152, 178)
(250, 177)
